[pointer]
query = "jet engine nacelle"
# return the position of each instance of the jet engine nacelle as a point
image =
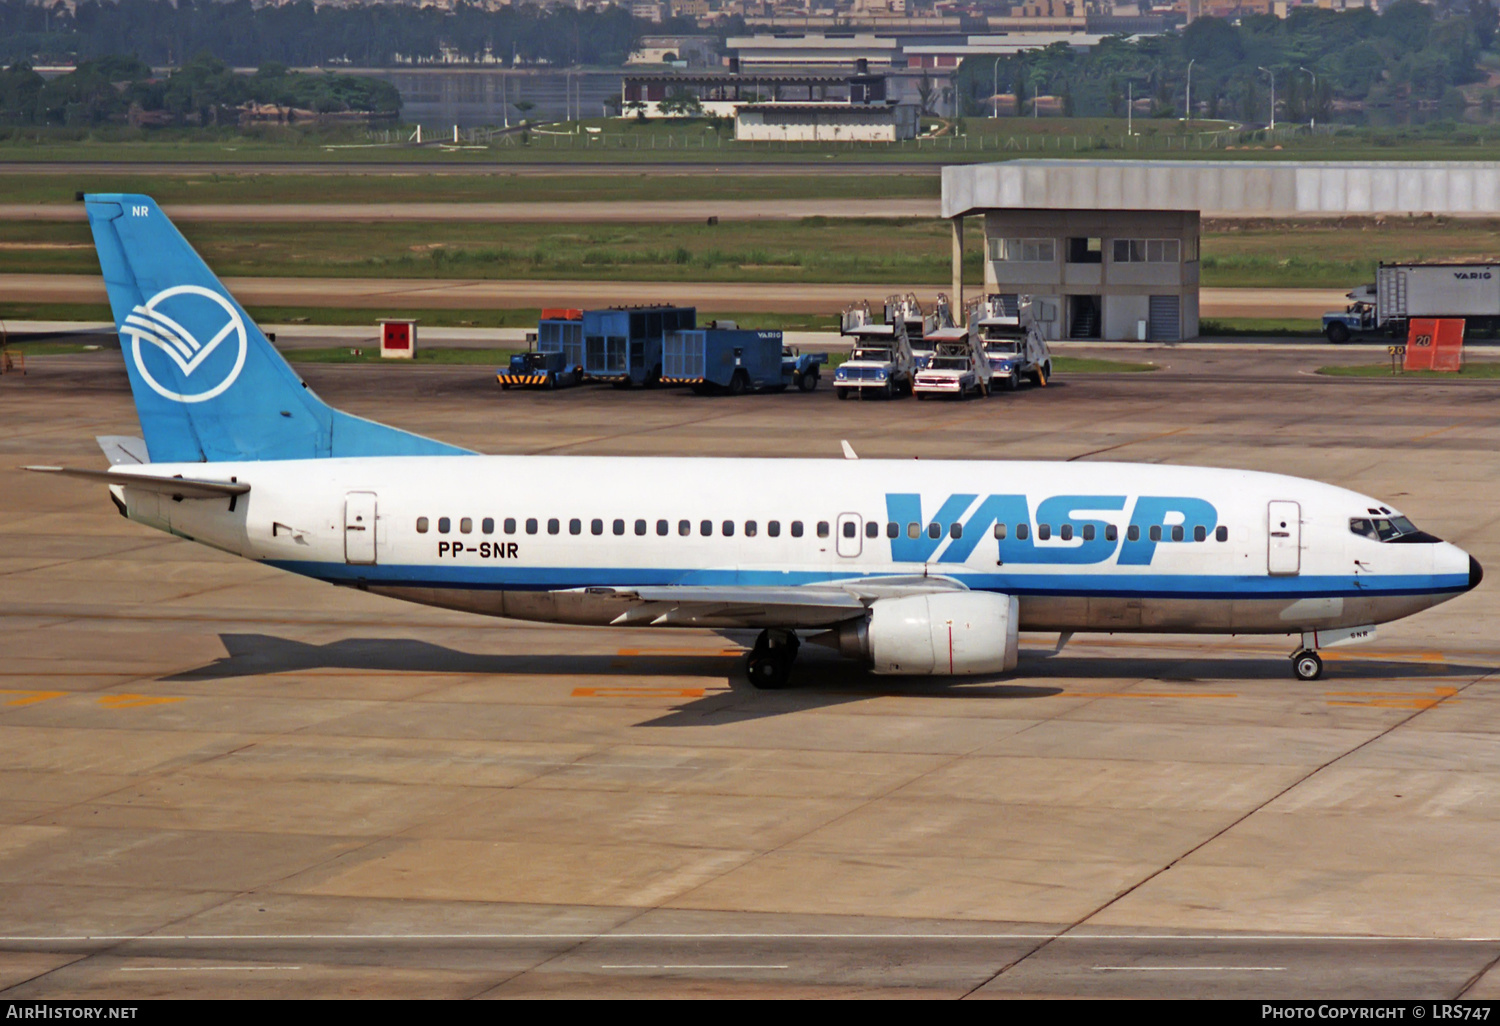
(937, 635)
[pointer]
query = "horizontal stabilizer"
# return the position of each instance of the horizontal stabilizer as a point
(177, 487)
(126, 449)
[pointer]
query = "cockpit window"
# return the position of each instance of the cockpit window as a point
(1388, 529)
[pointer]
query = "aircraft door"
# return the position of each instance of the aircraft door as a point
(850, 531)
(359, 527)
(1284, 541)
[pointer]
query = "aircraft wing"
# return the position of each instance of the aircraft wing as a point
(176, 487)
(816, 605)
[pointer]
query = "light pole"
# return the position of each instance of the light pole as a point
(1268, 71)
(995, 93)
(1312, 111)
(1189, 111)
(1130, 108)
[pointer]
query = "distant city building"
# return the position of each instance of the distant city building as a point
(688, 51)
(825, 122)
(648, 10)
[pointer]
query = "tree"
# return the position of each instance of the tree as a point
(926, 91)
(680, 103)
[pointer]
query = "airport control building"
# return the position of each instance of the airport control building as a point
(1111, 247)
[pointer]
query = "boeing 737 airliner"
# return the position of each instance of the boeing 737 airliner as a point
(924, 567)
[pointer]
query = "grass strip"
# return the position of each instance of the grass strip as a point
(313, 316)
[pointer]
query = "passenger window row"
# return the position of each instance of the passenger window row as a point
(1176, 533)
(619, 526)
(850, 529)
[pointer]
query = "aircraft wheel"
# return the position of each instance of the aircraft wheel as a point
(769, 663)
(1307, 666)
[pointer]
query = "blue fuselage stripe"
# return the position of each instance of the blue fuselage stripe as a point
(1144, 585)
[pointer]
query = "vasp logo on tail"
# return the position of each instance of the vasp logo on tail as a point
(185, 326)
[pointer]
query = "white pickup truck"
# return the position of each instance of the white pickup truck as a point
(958, 368)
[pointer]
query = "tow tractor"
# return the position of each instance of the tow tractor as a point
(1012, 341)
(538, 370)
(958, 367)
(880, 362)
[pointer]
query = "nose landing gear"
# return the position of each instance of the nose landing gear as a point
(769, 664)
(1306, 664)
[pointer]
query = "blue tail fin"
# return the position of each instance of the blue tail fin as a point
(207, 383)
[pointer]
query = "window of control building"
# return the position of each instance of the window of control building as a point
(1086, 251)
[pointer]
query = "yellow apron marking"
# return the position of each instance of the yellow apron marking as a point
(1398, 655)
(680, 651)
(29, 697)
(628, 692)
(1394, 699)
(1147, 694)
(135, 701)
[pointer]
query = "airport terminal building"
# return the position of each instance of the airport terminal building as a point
(1111, 247)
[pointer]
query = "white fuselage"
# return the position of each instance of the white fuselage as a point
(553, 538)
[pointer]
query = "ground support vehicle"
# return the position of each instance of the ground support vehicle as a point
(958, 368)
(1012, 342)
(623, 345)
(728, 360)
(1403, 291)
(908, 311)
(801, 370)
(561, 331)
(880, 362)
(538, 370)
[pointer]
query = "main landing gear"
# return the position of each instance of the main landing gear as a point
(769, 664)
(1306, 664)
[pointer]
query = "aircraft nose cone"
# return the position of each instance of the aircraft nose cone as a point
(1476, 573)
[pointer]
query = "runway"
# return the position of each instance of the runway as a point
(218, 780)
(395, 294)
